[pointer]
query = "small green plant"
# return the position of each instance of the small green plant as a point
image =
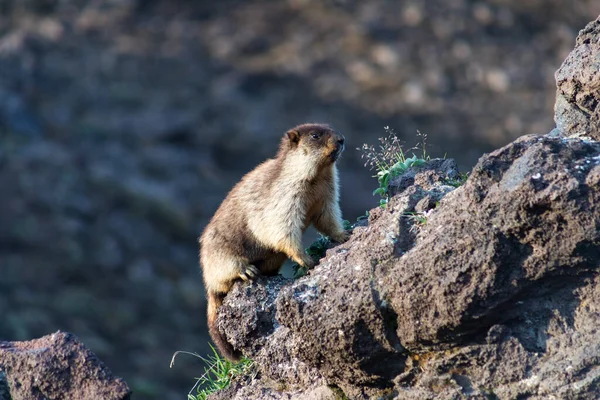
(458, 182)
(362, 217)
(418, 218)
(316, 251)
(318, 248)
(347, 225)
(299, 271)
(385, 174)
(218, 373)
(390, 160)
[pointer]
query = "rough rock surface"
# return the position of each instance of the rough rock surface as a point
(497, 294)
(55, 367)
(577, 108)
(330, 327)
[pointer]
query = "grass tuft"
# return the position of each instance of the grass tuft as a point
(390, 160)
(418, 219)
(218, 373)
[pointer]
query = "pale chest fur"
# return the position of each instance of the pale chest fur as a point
(294, 201)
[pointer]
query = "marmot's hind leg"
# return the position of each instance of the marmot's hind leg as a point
(222, 270)
(272, 264)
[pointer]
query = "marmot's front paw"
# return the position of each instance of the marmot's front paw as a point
(249, 273)
(341, 237)
(308, 262)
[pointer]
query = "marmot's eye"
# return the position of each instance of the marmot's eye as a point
(315, 136)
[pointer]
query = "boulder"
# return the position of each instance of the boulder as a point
(54, 367)
(486, 291)
(492, 291)
(525, 224)
(577, 108)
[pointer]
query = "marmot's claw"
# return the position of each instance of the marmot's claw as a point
(252, 271)
(341, 237)
(308, 262)
(249, 273)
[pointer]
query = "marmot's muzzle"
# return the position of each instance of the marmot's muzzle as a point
(339, 147)
(335, 154)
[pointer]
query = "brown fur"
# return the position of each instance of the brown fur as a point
(261, 221)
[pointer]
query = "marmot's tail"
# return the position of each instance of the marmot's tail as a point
(214, 302)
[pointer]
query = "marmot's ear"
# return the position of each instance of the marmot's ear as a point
(293, 135)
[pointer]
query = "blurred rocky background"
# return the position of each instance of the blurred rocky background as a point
(123, 123)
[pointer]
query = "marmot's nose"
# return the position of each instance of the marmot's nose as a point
(340, 139)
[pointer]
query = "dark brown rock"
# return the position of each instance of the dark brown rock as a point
(253, 308)
(57, 366)
(494, 296)
(577, 108)
(333, 326)
(495, 290)
(525, 222)
(428, 176)
(492, 293)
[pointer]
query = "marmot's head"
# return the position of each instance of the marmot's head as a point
(317, 141)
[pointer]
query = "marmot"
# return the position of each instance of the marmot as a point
(261, 221)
